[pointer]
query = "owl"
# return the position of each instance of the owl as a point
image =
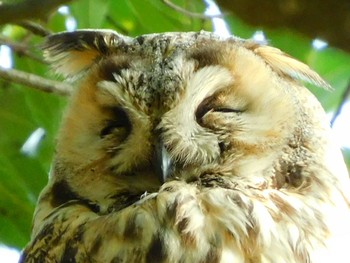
(189, 147)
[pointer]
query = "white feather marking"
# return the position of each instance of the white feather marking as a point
(197, 144)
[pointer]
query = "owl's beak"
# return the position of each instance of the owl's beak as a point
(162, 162)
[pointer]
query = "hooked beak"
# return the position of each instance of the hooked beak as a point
(162, 162)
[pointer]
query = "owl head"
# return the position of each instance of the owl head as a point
(178, 106)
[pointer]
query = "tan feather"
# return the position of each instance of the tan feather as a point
(283, 64)
(70, 53)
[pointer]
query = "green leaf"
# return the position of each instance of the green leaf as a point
(91, 13)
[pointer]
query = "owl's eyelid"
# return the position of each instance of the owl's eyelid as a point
(120, 120)
(110, 126)
(116, 123)
(201, 112)
(226, 109)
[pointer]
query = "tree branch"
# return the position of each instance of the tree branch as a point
(326, 19)
(20, 49)
(35, 28)
(189, 13)
(34, 81)
(28, 9)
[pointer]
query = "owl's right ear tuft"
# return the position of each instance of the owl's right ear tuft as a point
(70, 53)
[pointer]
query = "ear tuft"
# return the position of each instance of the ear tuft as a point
(285, 65)
(69, 53)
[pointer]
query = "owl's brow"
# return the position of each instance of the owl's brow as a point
(206, 55)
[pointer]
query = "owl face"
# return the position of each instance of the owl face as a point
(176, 106)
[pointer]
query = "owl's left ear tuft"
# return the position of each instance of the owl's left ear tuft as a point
(70, 53)
(285, 65)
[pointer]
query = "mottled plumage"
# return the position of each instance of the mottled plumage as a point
(188, 147)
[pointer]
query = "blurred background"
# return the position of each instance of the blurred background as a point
(32, 100)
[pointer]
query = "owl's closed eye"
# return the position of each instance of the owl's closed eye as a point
(188, 147)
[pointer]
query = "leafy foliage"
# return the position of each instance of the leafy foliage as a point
(23, 110)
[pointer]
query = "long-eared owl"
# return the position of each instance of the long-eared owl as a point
(189, 147)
